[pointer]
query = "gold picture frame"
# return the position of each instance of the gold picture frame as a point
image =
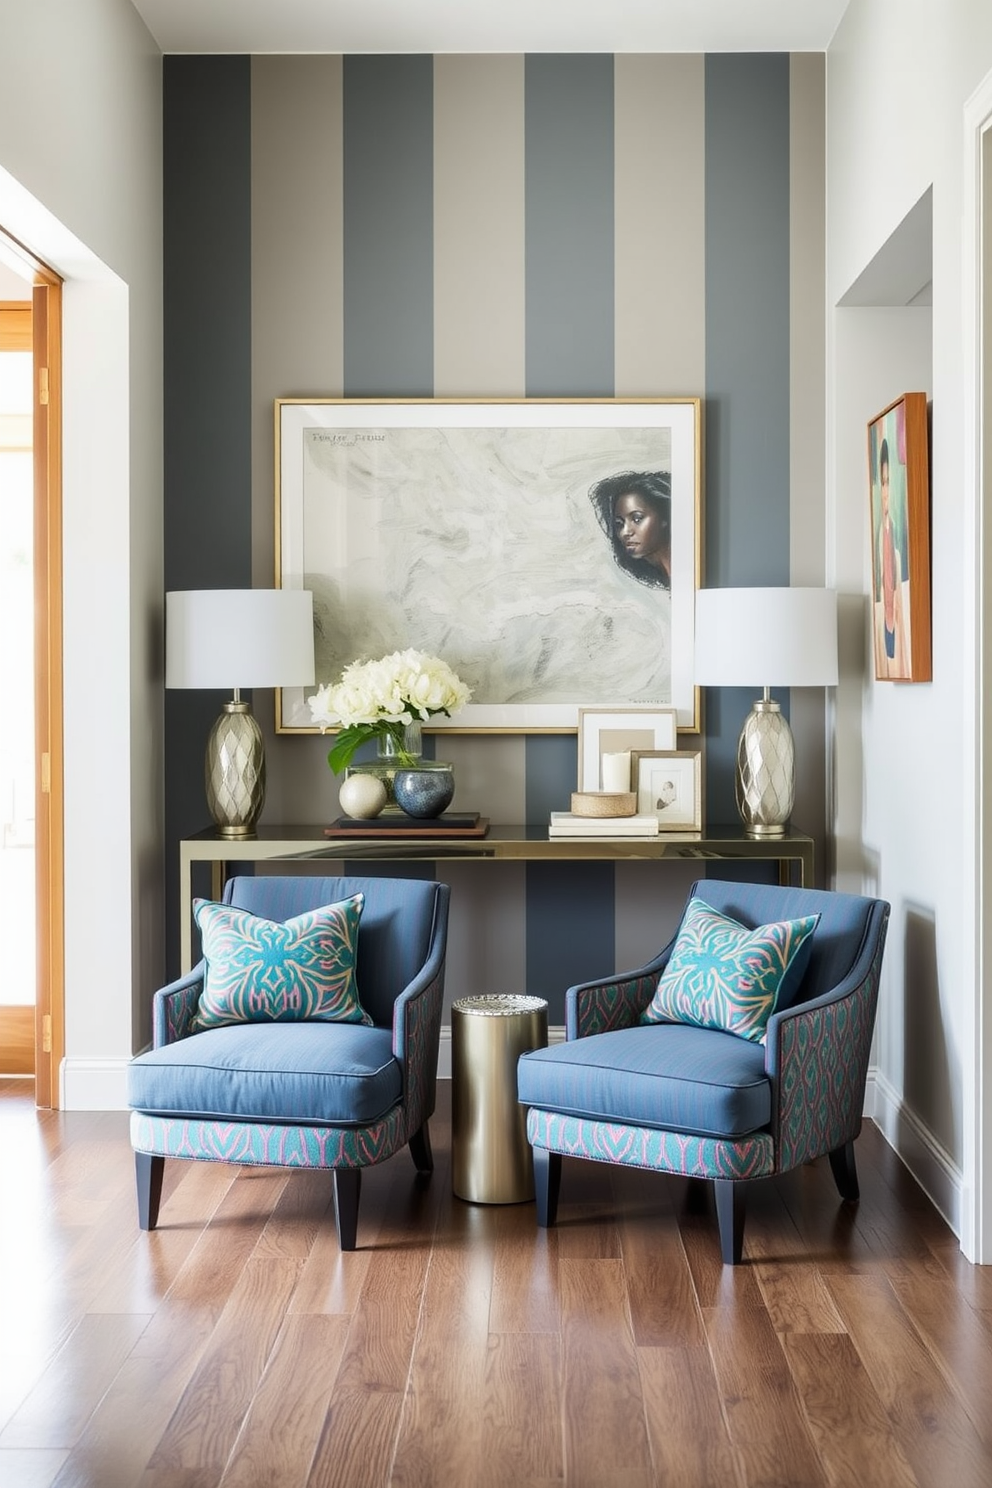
(477, 531)
(899, 508)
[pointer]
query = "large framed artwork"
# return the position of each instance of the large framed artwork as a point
(899, 504)
(549, 552)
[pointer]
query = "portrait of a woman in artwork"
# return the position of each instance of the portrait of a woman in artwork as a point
(634, 509)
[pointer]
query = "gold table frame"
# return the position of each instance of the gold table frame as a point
(793, 852)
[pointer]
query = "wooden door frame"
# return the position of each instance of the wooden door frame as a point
(49, 766)
(18, 1022)
(46, 346)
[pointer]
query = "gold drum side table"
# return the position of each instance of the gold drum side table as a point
(491, 1158)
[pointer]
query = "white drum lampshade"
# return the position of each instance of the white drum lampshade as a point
(766, 638)
(234, 638)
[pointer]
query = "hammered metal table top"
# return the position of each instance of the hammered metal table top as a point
(498, 1005)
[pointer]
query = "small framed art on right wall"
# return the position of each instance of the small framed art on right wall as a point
(899, 506)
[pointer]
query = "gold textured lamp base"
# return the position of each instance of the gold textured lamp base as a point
(234, 771)
(765, 783)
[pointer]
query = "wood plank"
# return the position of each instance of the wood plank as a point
(30, 1469)
(279, 1438)
(521, 1427)
(689, 1441)
(440, 1430)
(664, 1308)
(932, 1426)
(606, 1439)
(205, 1424)
(358, 1440)
(55, 1412)
(122, 1433)
(849, 1423)
(762, 1410)
(525, 1274)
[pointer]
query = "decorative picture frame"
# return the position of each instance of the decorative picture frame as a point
(899, 513)
(669, 785)
(617, 731)
(479, 532)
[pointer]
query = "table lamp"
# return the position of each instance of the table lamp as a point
(234, 638)
(766, 638)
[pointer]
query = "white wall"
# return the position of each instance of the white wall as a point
(898, 77)
(81, 185)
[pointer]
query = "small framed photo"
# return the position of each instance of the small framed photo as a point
(669, 785)
(899, 506)
(618, 731)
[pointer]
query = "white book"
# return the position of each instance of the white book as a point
(566, 824)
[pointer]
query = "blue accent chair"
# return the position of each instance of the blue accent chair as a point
(703, 1103)
(310, 1094)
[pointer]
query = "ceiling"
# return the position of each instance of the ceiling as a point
(497, 26)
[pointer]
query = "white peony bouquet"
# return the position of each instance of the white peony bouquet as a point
(377, 699)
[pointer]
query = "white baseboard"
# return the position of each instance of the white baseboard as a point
(555, 1036)
(93, 1084)
(928, 1161)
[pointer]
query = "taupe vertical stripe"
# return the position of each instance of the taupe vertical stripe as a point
(296, 254)
(660, 225)
(807, 401)
(479, 226)
(297, 347)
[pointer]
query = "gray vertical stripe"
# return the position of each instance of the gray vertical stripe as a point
(569, 156)
(747, 356)
(569, 204)
(570, 935)
(207, 304)
(388, 227)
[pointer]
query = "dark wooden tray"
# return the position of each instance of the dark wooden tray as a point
(458, 824)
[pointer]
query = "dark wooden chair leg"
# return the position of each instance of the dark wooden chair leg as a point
(149, 1170)
(845, 1171)
(730, 1216)
(547, 1183)
(347, 1192)
(420, 1150)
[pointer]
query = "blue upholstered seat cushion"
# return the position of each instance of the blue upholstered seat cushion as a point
(670, 1075)
(272, 970)
(333, 1073)
(721, 974)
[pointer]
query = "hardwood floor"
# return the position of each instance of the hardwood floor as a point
(461, 1345)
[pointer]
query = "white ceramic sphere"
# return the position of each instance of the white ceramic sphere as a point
(362, 796)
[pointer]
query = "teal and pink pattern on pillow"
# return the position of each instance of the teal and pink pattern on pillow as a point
(260, 970)
(723, 975)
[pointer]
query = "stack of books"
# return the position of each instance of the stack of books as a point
(567, 824)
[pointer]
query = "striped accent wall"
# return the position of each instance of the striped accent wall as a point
(493, 226)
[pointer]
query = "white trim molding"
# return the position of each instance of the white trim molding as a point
(93, 1084)
(976, 1216)
(917, 1147)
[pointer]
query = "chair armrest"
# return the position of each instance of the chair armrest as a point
(602, 1007)
(417, 1026)
(174, 1006)
(816, 1056)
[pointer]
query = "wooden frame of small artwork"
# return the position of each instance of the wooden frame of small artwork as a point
(669, 785)
(899, 510)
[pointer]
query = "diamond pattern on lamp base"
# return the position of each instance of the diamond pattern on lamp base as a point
(234, 771)
(766, 771)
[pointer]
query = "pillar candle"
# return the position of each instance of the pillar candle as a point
(616, 771)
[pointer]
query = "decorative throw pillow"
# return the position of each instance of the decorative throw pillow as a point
(260, 970)
(723, 975)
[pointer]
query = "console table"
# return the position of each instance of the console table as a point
(794, 853)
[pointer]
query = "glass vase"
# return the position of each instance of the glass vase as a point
(398, 747)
